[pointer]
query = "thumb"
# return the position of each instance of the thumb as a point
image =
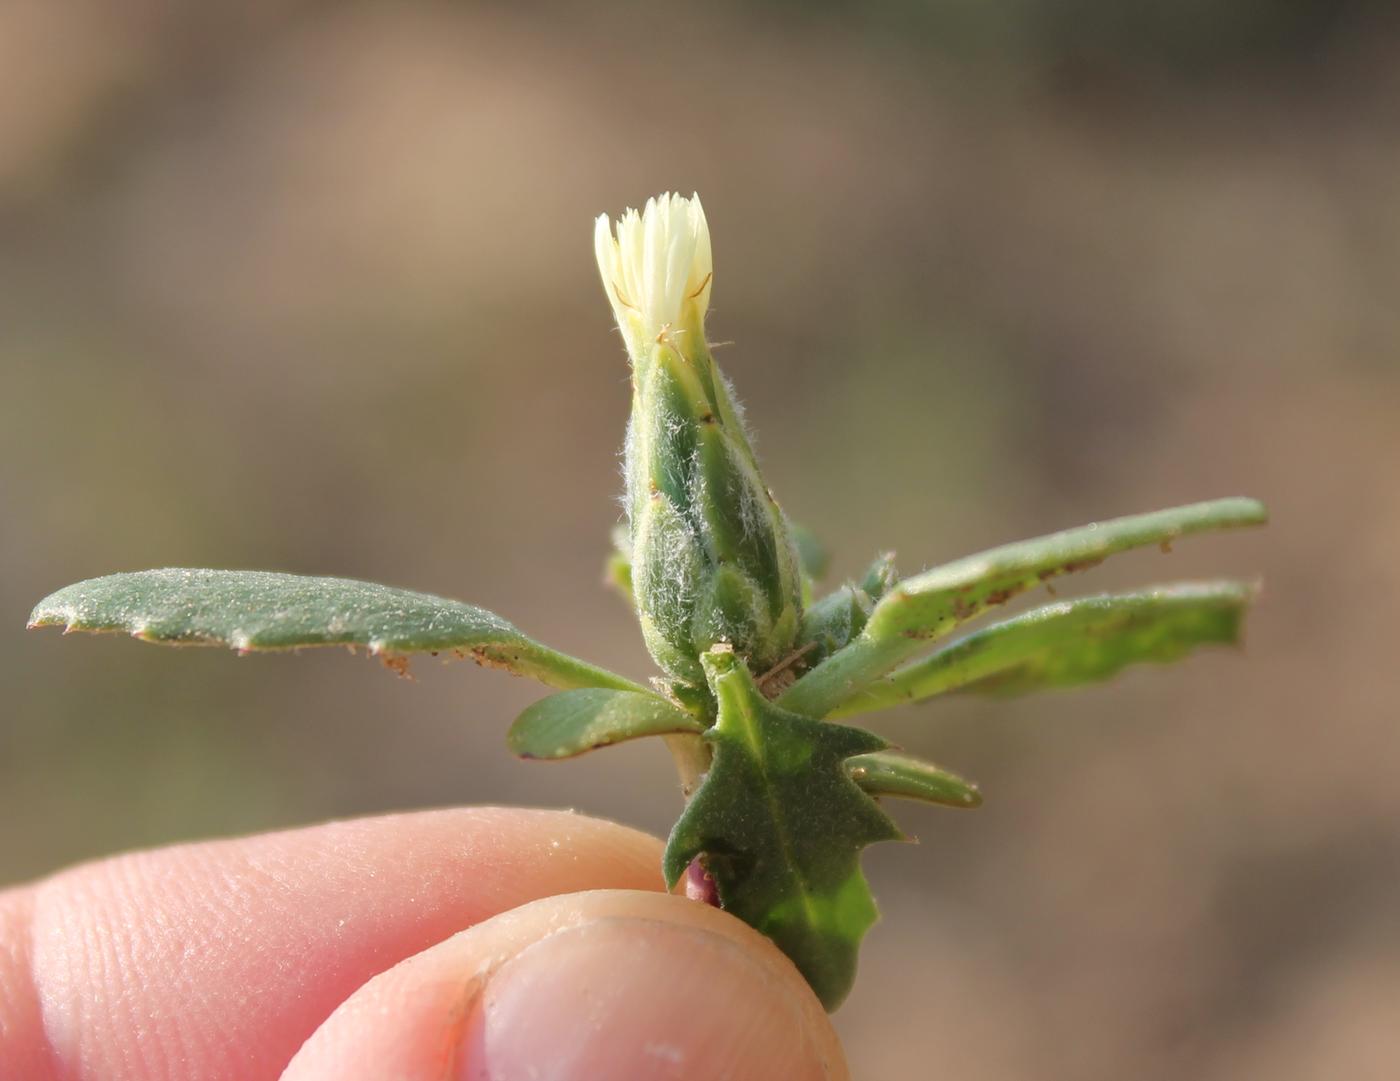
(606, 985)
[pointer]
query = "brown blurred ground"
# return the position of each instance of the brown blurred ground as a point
(309, 286)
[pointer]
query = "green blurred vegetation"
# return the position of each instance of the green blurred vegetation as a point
(309, 287)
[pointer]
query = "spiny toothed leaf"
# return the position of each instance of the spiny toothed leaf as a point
(781, 824)
(258, 610)
(1069, 643)
(892, 773)
(568, 724)
(928, 606)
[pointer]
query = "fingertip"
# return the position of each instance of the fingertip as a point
(217, 960)
(630, 997)
(608, 984)
(24, 1045)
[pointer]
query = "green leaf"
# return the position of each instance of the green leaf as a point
(891, 773)
(568, 724)
(781, 824)
(830, 623)
(928, 606)
(252, 611)
(617, 572)
(880, 577)
(811, 553)
(1069, 643)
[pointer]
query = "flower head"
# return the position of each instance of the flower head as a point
(657, 269)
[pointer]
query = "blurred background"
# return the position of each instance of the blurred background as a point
(310, 286)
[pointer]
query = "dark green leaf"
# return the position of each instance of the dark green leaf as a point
(573, 722)
(831, 622)
(891, 773)
(1069, 643)
(781, 825)
(257, 610)
(880, 577)
(928, 606)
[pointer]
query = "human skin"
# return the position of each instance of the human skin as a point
(478, 943)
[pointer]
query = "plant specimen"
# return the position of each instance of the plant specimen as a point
(756, 673)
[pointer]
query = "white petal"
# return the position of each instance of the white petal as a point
(702, 266)
(605, 250)
(658, 264)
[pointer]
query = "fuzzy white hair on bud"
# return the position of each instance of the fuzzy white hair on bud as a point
(656, 269)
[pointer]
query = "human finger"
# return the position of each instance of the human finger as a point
(215, 961)
(606, 986)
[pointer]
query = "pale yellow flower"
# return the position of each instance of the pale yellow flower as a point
(657, 271)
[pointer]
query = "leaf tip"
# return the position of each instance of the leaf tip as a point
(1252, 510)
(45, 616)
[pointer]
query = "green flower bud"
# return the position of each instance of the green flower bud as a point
(713, 558)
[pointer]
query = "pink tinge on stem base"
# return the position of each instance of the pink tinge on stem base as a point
(699, 886)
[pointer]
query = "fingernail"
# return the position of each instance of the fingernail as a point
(636, 998)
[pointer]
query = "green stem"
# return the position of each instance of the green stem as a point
(844, 673)
(692, 757)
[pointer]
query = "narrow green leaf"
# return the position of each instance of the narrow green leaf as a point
(891, 773)
(252, 611)
(781, 824)
(928, 606)
(1068, 643)
(570, 723)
